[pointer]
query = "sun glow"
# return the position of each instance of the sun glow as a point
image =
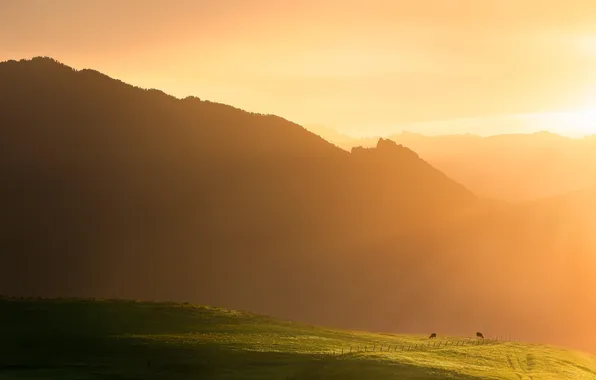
(578, 123)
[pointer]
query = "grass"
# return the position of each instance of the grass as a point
(111, 339)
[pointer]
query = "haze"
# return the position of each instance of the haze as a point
(366, 68)
(228, 154)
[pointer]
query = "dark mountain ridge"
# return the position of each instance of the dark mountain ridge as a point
(109, 190)
(118, 191)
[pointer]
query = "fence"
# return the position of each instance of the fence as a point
(409, 346)
(274, 358)
(301, 365)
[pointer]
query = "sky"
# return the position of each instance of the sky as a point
(362, 67)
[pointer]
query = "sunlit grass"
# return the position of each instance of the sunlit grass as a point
(83, 339)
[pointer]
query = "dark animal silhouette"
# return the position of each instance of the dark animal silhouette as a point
(433, 335)
(479, 335)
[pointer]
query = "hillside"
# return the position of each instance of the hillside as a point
(510, 167)
(515, 167)
(118, 191)
(87, 339)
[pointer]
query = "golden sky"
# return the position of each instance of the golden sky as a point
(363, 67)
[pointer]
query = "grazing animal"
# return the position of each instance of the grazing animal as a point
(479, 335)
(433, 335)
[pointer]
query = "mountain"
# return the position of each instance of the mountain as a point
(109, 190)
(516, 167)
(511, 167)
(117, 191)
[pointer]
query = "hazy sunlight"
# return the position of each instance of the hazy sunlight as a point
(298, 190)
(567, 123)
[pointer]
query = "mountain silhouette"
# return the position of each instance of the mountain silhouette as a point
(514, 167)
(113, 190)
(110, 190)
(511, 167)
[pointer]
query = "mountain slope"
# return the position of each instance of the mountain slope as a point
(118, 191)
(518, 167)
(114, 191)
(130, 339)
(511, 167)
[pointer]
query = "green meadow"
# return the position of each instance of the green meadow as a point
(114, 339)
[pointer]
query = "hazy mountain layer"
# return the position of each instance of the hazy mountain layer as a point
(115, 191)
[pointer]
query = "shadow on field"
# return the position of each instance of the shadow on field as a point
(129, 358)
(348, 369)
(67, 340)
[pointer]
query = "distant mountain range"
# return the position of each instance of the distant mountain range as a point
(512, 167)
(110, 190)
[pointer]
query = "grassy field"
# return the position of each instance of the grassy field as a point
(108, 339)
